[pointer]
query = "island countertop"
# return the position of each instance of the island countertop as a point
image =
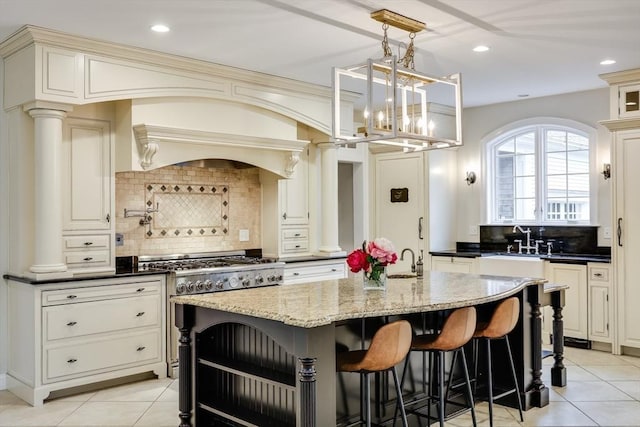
(310, 305)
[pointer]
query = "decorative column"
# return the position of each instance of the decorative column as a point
(329, 243)
(48, 191)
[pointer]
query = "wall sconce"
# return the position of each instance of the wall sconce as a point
(606, 170)
(471, 178)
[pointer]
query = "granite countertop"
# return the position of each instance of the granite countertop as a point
(130, 272)
(321, 303)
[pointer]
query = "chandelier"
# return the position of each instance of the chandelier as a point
(386, 101)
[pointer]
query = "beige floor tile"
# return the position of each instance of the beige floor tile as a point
(502, 417)
(557, 414)
(160, 414)
(171, 393)
(632, 388)
(630, 359)
(574, 373)
(612, 413)
(614, 372)
(49, 414)
(554, 396)
(8, 398)
(591, 391)
(106, 414)
(592, 357)
(142, 391)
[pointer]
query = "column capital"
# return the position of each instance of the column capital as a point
(47, 106)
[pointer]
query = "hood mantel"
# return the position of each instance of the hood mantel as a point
(160, 146)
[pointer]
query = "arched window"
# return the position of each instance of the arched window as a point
(539, 173)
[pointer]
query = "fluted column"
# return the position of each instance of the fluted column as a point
(329, 243)
(48, 191)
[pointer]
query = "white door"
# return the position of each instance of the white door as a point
(399, 204)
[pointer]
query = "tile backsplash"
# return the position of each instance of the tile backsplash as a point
(200, 210)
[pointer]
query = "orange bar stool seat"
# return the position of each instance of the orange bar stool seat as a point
(503, 319)
(457, 330)
(389, 346)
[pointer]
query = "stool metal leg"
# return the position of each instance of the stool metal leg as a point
(399, 401)
(489, 381)
(367, 401)
(440, 356)
(515, 379)
(469, 394)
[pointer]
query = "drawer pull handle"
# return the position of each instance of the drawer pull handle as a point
(88, 258)
(140, 348)
(72, 360)
(88, 243)
(598, 274)
(297, 234)
(296, 274)
(334, 269)
(140, 314)
(72, 296)
(139, 289)
(72, 323)
(297, 246)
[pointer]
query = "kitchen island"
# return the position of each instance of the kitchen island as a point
(240, 351)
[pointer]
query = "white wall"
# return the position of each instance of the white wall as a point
(586, 107)
(4, 241)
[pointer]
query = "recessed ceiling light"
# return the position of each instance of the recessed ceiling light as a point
(481, 48)
(160, 28)
(607, 62)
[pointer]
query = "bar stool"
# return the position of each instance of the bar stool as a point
(388, 347)
(503, 319)
(455, 333)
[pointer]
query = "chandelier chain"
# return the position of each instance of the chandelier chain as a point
(385, 41)
(407, 60)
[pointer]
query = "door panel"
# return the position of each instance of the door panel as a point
(398, 221)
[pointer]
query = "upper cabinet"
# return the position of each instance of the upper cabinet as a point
(628, 101)
(88, 195)
(294, 194)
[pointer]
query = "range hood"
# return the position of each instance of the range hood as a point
(160, 146)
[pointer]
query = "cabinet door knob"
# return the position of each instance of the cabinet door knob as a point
(72, 296)
(284, 215)
(140, 348)
(72, 360)
(108, 217)
(72, 323)
(140, 314)
(139, 289)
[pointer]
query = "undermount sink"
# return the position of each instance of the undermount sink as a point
(510, 265)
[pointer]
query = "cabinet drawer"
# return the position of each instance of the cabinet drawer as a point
(86, 242)
(599, 274)
(74, 320)
(297, 233)
(87, 258)
(314, 272)
(96, 293)
(101, 355)
(297, 246)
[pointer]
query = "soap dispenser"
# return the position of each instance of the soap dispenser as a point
(419, 265)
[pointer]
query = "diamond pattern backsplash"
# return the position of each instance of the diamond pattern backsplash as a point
(188, 210)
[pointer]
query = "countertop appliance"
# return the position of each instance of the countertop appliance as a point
(200, 273)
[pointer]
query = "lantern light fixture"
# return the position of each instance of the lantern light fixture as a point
(386, 101)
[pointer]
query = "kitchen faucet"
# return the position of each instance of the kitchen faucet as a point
(413, 258)
(528, 247)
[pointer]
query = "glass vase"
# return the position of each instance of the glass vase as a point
(376, 279)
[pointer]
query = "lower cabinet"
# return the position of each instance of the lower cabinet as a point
(451, 264)
(314, 271)
(599, 302)
(68, 334)
(575, 313)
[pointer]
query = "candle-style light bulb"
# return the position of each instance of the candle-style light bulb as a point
(431, 126)
(380, 118)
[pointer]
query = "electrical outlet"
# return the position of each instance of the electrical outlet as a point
(473, 230)
(244, 235)
(606, 232)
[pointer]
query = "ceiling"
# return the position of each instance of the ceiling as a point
(538, 47)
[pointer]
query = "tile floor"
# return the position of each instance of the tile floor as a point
(602, 390)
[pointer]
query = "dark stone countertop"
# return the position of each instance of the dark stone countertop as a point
(553, 258)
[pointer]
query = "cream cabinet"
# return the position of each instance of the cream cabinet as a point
(451, 264)
(314, 271)
(285, 212)
(599, 303)
(68, 334)
(624, 125)
(575, 312)
(88, 195)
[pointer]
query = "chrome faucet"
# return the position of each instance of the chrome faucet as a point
(528, 246)
(413, 258)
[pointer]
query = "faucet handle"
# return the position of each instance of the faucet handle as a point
(519, 242)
